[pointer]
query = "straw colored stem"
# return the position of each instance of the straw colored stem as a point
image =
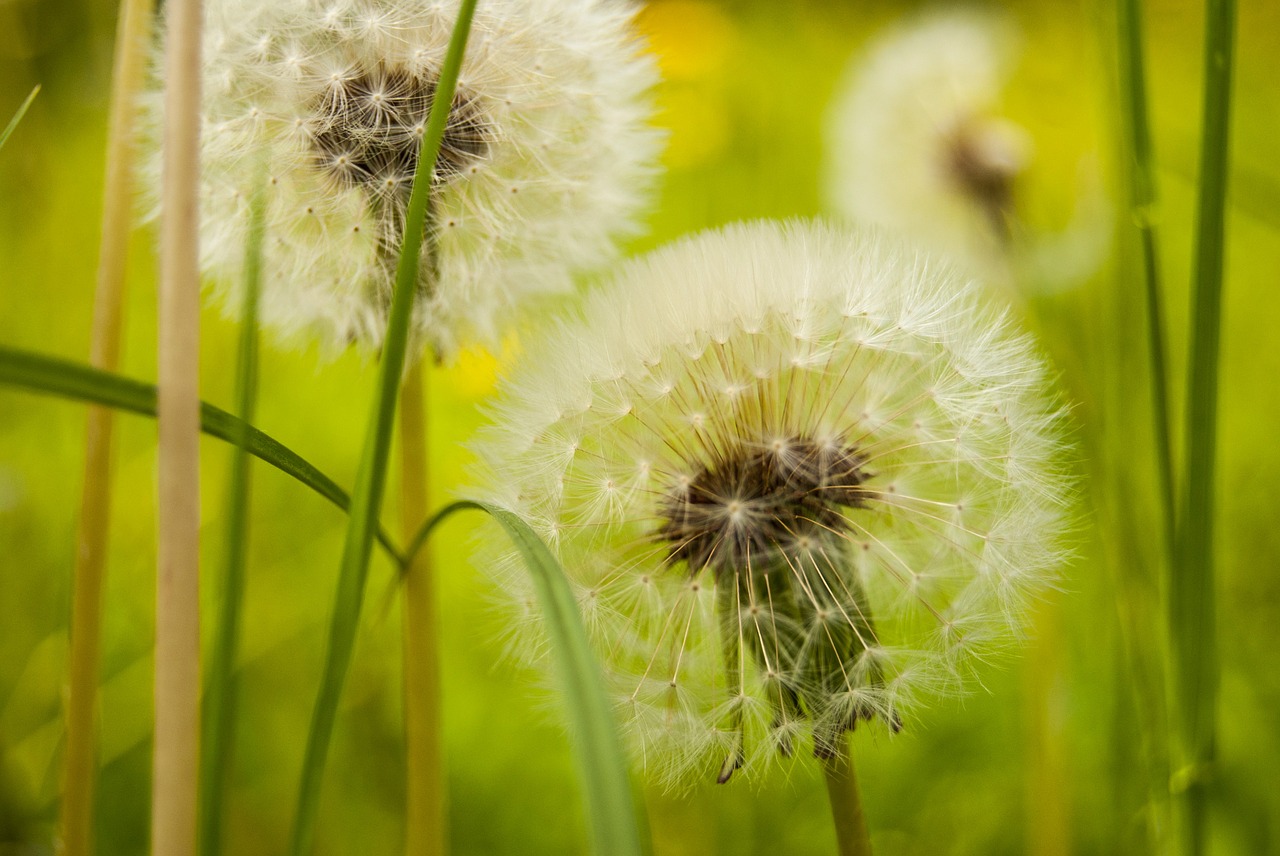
(1192, 588)
(426, 833)
(852, 836)
(79, 763)
(177, 685)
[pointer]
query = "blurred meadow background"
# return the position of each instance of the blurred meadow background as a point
(1059, 757)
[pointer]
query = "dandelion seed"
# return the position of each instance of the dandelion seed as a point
(545, 159)
(788, 567)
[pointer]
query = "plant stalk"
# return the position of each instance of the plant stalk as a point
(852, 835)
(177, 685)
(1192, 588)
(79, 772)
(1142, 205)
(426, 833)
(371, 476)
(222, 688)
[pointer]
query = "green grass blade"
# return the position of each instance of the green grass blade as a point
(222, 689)
(372, 474)
(54, 376)
(1142, 204)
(17, 117)
(601, 761)
(1192, 588)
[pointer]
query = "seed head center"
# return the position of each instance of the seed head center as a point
(756, 500)
(368, 131)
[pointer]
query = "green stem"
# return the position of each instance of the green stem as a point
(17, 116)
(222, 688)
(372, 475)
(54, 376)
(852, 836)
(1142, 204)
(1191, 588)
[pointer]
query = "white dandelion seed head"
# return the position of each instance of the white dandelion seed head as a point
(916, 140)
(545, 163)
(866, 515)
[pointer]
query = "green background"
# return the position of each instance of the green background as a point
(1067, 723)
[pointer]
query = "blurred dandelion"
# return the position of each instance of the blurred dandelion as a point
(799, 476)
(545, 160)
(917, 140)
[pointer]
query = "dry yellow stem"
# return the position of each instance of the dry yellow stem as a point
(177, 688)
(426, 832)
(79, 765)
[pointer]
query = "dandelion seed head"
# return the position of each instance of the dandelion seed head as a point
(844, 537)
(917, 142)
(546, 159)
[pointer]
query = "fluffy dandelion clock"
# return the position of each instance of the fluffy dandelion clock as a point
(800, 478)
(545, 158)
(917, 142)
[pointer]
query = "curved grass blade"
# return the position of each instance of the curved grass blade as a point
(55, 376)
(601, 762)
(222, 689)
(17, 117)
(372, 475)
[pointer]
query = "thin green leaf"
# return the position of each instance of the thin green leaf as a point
(222, 688)
(54, 376)
(1142, 206)
(602, 764)
(1142, 203)
(1192, 589)
(17, 117)
(372, 474)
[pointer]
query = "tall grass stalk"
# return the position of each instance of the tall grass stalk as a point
(1192, 588)
(371, 477)
(222, 686)
(177, 686)
(1142, 208)
(425, 801)
(79, 771)
(852, 835)
(1143, 205)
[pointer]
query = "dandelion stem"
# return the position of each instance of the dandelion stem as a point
(177, 685)
(79, 764)
(222, 688)
(852, 836)
(1191, 587)
(371, 476)
(426, 834)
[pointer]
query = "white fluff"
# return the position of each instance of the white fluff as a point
(740, 339)
(895, 122)
(559, 87)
